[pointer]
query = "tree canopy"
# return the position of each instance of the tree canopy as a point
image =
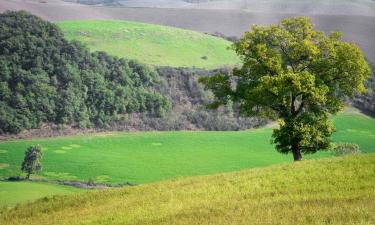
(46, 79)
(296, 74)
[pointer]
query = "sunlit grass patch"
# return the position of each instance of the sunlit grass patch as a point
(3, 165)
(151, 44)
(102, 178)
(60, 175)
(74, 146)
(13, 193)
(59, 151)
(157, 144)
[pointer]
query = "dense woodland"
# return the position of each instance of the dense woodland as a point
(46, 79)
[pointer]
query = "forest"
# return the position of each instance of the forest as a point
(46, 79)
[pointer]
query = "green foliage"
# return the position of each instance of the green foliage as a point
(336, 191)
(366, 101)
(46, 79)
(32, 163)
(296, 74)
(144, 157)
(311, 132)
(151, 44)
(346, 149)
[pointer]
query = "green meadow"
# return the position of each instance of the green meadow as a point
(337, 190)
(13, 193)
(144, 157)
(151, 44)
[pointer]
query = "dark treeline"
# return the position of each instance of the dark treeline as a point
(46, 79)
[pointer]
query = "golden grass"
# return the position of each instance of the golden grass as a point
(327, 191)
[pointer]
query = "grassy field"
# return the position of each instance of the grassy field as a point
(151, 44)
(327, 191)
(144, 157)
(13, 193)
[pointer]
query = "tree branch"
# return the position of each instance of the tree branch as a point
(289, 59)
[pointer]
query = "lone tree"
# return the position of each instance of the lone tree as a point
(296, 74)
(32, 161)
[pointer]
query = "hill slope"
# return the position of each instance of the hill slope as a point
(335, 7)
(144, 157)
(334, 191)
(151, 44)
(355, 19)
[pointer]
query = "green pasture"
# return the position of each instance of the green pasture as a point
(16, 192)
(151, 44)
(144, 157)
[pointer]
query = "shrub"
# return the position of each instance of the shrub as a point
(15, 178)
(346, 149)
(32, 161)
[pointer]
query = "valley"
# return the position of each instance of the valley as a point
(167, 112)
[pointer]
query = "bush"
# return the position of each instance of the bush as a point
(15, 178)
(346, 149)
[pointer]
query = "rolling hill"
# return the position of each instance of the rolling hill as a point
(342, 7)
(151, 44)
(144, 157)
(232, 18)
(328, 191)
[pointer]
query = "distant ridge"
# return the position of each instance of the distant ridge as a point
(357, 28)
(332, 7)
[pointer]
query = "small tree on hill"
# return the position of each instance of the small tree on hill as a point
(32, 161)
(297, 75)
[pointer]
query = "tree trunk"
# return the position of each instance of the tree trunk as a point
(296, 153)
(28, 176)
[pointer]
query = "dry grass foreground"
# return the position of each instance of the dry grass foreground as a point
(327, 191)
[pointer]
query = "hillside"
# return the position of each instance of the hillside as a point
(144, 157)
(232, 18)
(343, 7)
(151, 44)
(328, 191)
